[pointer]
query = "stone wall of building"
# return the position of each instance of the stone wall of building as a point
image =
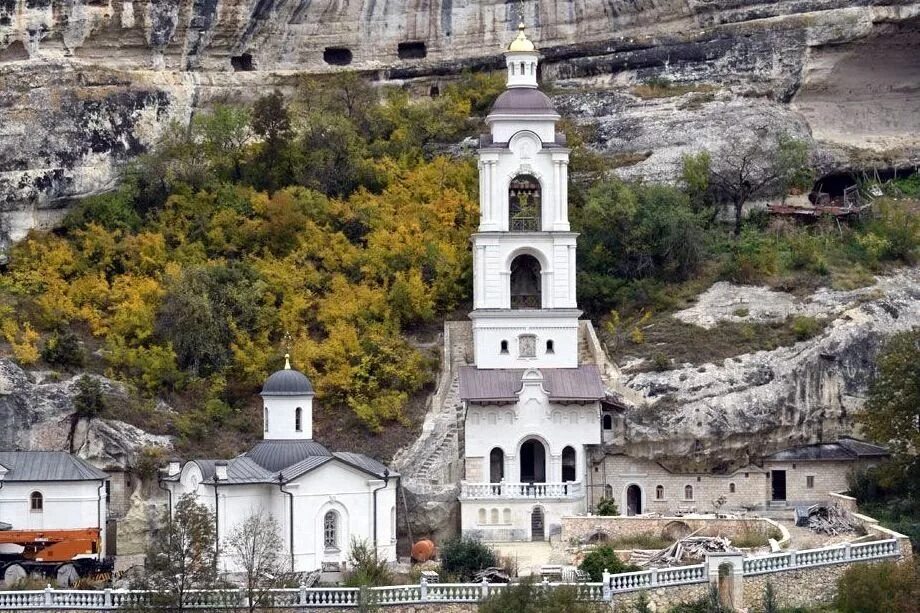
(581, 528)
(618, 472)
(812, 482)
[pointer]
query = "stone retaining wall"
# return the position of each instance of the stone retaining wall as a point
(582, 528)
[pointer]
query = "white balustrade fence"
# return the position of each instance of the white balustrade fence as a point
(339, 597)
(505, 490)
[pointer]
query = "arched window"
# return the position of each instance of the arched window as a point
(524, 200)
(37, 502)
(608, 491)
(522, 67)
(496, 465)
(526, 283)
(731, 488)
(482, 517)
(507, 516)
(298, 419)
(504, 347)
(549, 347)
(659, 492)
(331, 530)
(608, 422)
(494, 516)
(265, 418)
(688, 492)
(568, 464)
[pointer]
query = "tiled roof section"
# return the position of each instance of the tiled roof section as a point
(582, 384)
(47, 466)
(304, 466)
(863, 449)
(276, 455)
(846, 449)
(363, 462)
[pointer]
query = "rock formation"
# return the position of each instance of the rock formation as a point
(753, 404)
(88, 84)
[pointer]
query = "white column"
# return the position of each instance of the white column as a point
(479, 271)
(483, 216)
(572, 302)
(559, 187)
(546, 289)
(487, 197)
(505, 278)
(564, 192)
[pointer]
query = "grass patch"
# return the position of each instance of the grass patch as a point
(683, 343)
(755, 535)
(643, 540)
(665, 88)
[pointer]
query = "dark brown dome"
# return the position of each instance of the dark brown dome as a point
(523, 101)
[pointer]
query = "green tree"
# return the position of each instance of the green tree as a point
(607, 506)
(63, 349)
(463, 557)
(695, 170)
(181, 556)
(89, 401)
(272, 122)
(892, 410)
(224, 133)
(603, 557)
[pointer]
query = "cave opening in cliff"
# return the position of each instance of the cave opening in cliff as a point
(337, 56)
(834, 184)
(414, 50)
(242, 63)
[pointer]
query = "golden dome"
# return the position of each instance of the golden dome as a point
(521, 43)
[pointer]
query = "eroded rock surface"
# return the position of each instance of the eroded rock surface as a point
(86, 85)
(751, 404)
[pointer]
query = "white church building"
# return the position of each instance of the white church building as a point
(320, 499)
(531, 408)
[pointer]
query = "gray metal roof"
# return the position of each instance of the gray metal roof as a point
(276, 455)
(365, 463)
(523, 101)
(582, 384)
(47, 466)
(845, 449)
(287, 382)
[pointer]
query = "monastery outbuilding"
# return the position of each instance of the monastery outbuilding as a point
(321, 499)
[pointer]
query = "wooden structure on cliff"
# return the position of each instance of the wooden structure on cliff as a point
(850, 205)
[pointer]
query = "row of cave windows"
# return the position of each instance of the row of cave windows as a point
(340, 56)
(298, 419)
(659, 491)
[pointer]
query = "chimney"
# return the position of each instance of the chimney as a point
(220, 471)
(173, 467)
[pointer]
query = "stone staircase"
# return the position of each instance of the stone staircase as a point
(434, 462)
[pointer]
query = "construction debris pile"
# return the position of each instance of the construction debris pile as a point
(830, 520)
(688, 549)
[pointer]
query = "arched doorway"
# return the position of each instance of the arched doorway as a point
(568, 464)
(526, 283)
(634, 500)
(496, 465)
(533, 462)
(537, 523)
(524, 200)
(726, 586)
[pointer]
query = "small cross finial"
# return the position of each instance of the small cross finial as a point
(520, 14)
(287, 361)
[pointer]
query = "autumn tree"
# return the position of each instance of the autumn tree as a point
(181, 557)
(255, 545)
(749, 167)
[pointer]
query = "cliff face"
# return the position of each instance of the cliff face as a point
(88, 84)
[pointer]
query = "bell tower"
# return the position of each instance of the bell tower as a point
(525, 314)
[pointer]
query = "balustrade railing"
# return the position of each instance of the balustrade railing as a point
(338, 597)
(504, 490)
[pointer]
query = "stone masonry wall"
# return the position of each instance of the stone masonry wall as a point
(581, 528)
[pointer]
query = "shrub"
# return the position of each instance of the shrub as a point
(607, 506)
(604, 557)
(463, 557)
(752, 258)
(661, 362)
(769, 599)
(148, 462)
(741, 312)
(63, 349)
(871, 588)
(709, 603)
(89, 401)
(805, 327)
(527, 597)
(367, 568)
